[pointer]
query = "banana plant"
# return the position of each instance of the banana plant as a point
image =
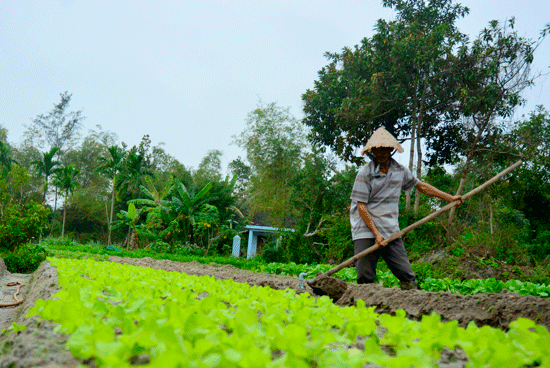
(159, 221)
(128, 219)
(187, 204)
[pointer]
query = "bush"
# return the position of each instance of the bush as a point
(25, 258)
(296, 248)
(540, 246)
(22, 223)
(273, 253)
(161, 247)
(337, 233)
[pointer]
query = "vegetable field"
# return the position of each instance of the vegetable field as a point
(116, 314)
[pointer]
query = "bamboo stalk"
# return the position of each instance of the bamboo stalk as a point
(416, 224)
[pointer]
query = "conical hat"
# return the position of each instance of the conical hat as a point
(381, 138)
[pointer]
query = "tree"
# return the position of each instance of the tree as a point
(135, 167)
(5, 158)
(311, 193)
(67, 183)
(187, 204)
(401, 79)
(273, 140)
(112, 166)
(529, 140)
(241, 170)
(498, 72)
(46, 167)
(210, 168)
(58, 128)
(129, 218)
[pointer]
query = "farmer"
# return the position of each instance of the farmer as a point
(374, 209)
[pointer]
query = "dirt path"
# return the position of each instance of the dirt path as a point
(40, 346)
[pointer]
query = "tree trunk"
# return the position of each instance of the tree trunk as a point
(112, 212)
(411, 167)
(419, 119)
(491, 216)
(134, 240)
(54, 209)
(64, 215)
(418, 172)
(466, 167)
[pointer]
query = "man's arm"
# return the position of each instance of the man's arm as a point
(366, 216)
(432, 191)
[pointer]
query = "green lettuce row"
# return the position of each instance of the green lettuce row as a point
(490, 285)
(116, 312)
(386, 278)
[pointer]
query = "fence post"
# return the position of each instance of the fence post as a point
(236, 246)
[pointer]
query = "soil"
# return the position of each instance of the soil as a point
(40, 346)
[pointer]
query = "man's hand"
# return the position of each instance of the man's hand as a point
(380, 240)
(457, 198)
(432, 191)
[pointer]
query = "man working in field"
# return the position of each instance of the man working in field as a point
(374, 209)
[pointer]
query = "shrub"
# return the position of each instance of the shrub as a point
(540, 246)
(273, 253)
(337, 232)
(296, 248)
(21, 223)
(25, 258)
(161, 247)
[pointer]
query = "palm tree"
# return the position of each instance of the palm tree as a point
(46, 167)
(111, 167)
(67, 183)
(5, 160)
(130, 178)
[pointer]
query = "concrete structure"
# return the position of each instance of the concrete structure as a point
(236, 246)
(253, 233)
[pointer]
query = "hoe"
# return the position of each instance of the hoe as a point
(323, 284)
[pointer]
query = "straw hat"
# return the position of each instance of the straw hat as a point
(381, 138)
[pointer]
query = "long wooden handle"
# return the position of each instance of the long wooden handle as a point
(417, 224)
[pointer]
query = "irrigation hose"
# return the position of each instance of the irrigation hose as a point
(17, 301)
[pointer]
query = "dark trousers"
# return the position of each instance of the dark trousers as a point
(394, 254)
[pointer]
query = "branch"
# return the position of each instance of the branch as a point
(307, 234)
(499, 152)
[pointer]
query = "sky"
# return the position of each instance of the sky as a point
(187, 73)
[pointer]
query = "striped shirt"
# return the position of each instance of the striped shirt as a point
(381, 193)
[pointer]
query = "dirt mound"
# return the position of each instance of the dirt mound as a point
(331, 286)
(39, 345)
(486, 309)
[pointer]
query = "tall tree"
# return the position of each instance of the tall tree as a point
(239, 169)
(67, 183)
(498, 71)
(210, 168)
(135, 167)
(273, 140)
(112, 166)
(58, 128)
(5, 158)
(400, 78)
(46, 167)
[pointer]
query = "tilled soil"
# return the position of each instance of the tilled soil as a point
(40, 346)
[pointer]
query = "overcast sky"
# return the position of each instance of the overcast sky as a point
(188, 72)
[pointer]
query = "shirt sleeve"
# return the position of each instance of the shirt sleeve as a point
(361, 187)
(409, 181)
